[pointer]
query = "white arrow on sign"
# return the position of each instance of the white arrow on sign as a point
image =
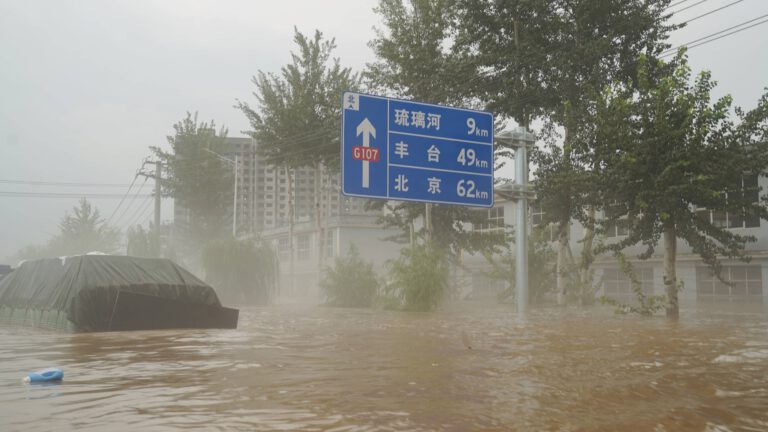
(366, 128)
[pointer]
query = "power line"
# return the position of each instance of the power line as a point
(139, 213)
(688, 7)
(109, 219)
(712, 34)
(719, 37)
(677, 3)
(711, 12)
(130, 203)
(13, 194)
(53, 183)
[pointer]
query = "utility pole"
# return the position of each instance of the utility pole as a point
(158, 167)
(157, 176)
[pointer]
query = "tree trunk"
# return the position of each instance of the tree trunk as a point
(320, 236)
(563, 234)
(670, 270)
(291, 285)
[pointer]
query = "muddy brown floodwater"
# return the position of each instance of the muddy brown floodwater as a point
(314, 368)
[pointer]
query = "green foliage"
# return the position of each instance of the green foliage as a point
(414, 57)
(298, 112)
(538, 58)
(666, 151)
(241, 271)
(647, 305)
(415, 60)
(82, 232)
(541, 268)
(351, 282)
(198, 180)
(420, 277)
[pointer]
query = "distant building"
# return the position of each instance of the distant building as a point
(264, 191)
(747, 282)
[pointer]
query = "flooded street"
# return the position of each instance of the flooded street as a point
(314, 368)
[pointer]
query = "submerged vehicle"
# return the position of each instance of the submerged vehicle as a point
(109, 293)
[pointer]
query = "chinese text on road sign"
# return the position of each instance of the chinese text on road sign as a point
(402, 150)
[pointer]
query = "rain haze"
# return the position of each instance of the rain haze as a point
(88, 86)
(415, 283)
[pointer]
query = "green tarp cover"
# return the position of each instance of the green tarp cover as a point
(84, 288)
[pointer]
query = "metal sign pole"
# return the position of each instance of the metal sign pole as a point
(520, 140)
(521, 229)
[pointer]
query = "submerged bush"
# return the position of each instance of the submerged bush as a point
(351, 282)
(420, 277)
(241, 271)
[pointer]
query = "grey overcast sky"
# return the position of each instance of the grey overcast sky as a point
(86, 86)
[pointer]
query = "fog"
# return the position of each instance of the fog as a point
(317, 320)
(87, 86)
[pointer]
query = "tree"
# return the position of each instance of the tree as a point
(198, 179)
(541, 267)
(139, 242)
(297, 119)
(242, 271)
(668, 154)
(81, 232)
(545, 60)
(420, 277)
(415, 59)
(351, 282)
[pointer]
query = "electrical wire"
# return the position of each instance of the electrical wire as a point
(13, 194)
(712, 11)
(109, 219)
(688, 7)
(52, 183)
(712, 34)
(677, 3)
(717, 38)
(139, 213)
(130, 203)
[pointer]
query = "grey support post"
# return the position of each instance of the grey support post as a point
(521, 141)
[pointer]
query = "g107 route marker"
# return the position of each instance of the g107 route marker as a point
(413, 151)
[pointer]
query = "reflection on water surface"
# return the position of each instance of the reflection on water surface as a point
(313, 368)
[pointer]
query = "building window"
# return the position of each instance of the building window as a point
(329, 242)
(744, 282)
(489, 220)
(537, 222)
(616, 282)
(739, 219)
(616, 228)
(282, 248)
(302, 247)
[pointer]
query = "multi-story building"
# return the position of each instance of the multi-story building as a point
(265, 192)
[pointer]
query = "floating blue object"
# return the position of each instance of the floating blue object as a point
(45, 375)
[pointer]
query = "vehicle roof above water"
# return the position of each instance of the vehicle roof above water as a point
(81, 285)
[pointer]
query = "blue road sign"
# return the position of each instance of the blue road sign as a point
(413, 151)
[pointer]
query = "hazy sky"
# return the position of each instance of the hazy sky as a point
(87, 86)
